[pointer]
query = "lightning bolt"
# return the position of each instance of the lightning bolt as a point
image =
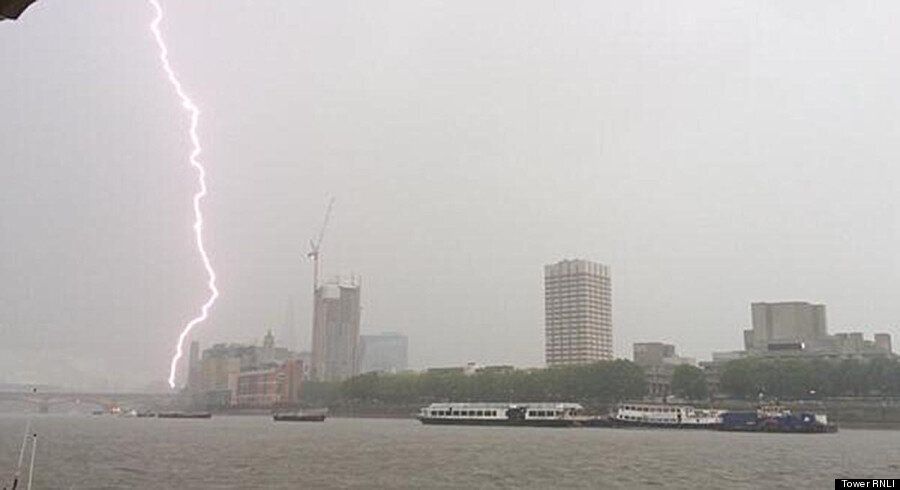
(194, 113)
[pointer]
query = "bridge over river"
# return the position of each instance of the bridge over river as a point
(45, 401)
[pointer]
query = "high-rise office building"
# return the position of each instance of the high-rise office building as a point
(786, 325)
(336, 330)
(383, 353)
(578, 313)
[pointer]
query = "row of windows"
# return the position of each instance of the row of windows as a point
(464, 413)
(643, 419)
(586, 295)
(575, 345)
(571, 338)
(543, 413)
(581, 317)
(584, 299)
(581, 282)
(570, 318)
(572, 349)
(576, 285)
(577, 304)
(651, 409)
(580, 329)
(557, 293)
(576, 335)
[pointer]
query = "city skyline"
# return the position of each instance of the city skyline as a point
(677, 145)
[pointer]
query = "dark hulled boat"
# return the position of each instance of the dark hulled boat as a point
(773, 418)
(184, 415)
(318, 416)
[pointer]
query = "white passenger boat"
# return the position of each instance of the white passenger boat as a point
(520, 414)
(663, 415)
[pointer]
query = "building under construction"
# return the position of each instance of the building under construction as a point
(335, 352)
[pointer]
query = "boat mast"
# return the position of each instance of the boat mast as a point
(31, 466)
(18, 472)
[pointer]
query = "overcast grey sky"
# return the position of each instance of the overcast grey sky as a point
(713, 153)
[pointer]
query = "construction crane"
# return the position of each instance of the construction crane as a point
(315, 244)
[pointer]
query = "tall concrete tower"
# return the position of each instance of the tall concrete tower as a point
(577, 313)
(336, 330)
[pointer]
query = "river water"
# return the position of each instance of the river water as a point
(100, 452)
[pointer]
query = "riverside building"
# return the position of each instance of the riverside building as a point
(578, 313)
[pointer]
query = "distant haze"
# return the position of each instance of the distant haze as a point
(712, 153)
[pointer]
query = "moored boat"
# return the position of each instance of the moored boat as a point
(301, 416)
(184, 415)
(774, 418)
(504, 414)
(665, 416)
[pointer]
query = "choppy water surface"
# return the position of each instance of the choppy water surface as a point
(86, 452)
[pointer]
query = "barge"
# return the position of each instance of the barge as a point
(774, 418)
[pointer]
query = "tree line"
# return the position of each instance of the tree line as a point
(598, 383)
(608, 382)
(809, 378)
